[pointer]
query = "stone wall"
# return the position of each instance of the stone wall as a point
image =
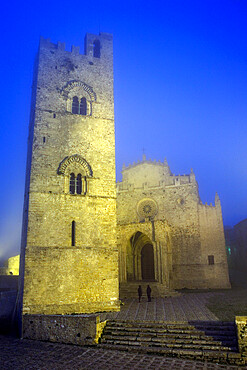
(241, 324)
(74, 329)
(11, 266)
(184, 232)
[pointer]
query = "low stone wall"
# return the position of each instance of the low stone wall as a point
(74, 329)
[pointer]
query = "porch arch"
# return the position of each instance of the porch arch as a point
(140, 258)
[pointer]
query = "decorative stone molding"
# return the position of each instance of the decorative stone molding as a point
(75, 158)
(76, 83)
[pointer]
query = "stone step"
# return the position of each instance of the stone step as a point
(165, 339)
(203, 355)
(215, 331)
(210, 340)
(167, 345)
(149, 324)
(185, 343)
(215, 326)
(190, 324)
(170, 336)
(154, 331)
(212, 323)
(231, 344)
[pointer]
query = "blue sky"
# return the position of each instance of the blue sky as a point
(180, 91)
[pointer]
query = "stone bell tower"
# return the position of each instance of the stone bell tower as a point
(69, 259)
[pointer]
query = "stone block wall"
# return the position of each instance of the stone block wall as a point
(184, 232)
(74, 329)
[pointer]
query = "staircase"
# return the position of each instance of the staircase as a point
(205, 341)
(129, 289)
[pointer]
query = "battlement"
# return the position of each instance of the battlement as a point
(150, 174)
(92, 44)
(145, 160)
(46, 43)
(173, 181)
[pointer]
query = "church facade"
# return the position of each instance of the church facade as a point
(166, 236)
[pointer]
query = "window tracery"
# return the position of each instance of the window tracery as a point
(79, 105)
(76, 171)
(80, 97)
(77, 183)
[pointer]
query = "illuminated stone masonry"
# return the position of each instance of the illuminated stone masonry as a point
(166, 236)
(69, 257)
(71, 260)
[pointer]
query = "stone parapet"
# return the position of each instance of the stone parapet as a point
(74, 329)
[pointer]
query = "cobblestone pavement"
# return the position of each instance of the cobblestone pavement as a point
(183, 308)
(26, 354)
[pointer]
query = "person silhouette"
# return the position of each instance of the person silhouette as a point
(149, 293)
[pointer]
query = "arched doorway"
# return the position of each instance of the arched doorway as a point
(147, 262)
(140, 258)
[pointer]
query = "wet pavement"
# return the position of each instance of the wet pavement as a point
(183, 308)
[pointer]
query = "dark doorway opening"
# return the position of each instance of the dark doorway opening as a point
(147, 262)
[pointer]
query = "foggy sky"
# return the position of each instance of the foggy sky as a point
(180, 91)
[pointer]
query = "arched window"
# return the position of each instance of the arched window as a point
(73, 233)
(78, 184)
(75, 105)
(96, 49)
(83, 106)
(72, 183)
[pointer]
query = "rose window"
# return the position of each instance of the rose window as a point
(147, 208)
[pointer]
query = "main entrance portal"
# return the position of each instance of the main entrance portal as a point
(140, 258)
(147, 262)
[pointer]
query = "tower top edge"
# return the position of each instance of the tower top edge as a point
(88, 39)
(145, 161)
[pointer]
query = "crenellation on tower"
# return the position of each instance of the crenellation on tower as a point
(75, 50)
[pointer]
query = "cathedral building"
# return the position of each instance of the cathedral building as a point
(166, 236)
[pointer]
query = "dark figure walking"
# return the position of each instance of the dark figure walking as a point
(149, 293)
(140, 293)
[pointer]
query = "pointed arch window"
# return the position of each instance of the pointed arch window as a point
(72, 183)
(96, 49)
(83, 106)
(75, 105)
